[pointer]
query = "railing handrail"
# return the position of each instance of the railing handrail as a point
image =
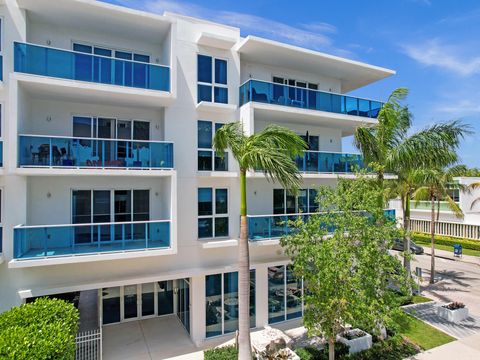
(306, 213)
(93, 55)
(304, 88)
(90, 138)
(90, 224)
(331, 152)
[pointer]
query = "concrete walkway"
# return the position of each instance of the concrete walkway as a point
(465, 349)
(428, 313)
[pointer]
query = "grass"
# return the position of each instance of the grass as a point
(448, 248)
(420, 333)
(418, 299)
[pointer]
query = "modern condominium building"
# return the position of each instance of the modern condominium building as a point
(109, 181)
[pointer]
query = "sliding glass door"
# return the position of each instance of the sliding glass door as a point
(183, 302)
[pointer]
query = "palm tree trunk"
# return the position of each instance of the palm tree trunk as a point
(331, 349)
(244, 344)
(406, 227)
(432, 234)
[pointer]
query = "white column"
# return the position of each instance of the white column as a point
(261, 296)
(197, 309)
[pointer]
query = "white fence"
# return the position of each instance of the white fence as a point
(89, 345)
(466, 231)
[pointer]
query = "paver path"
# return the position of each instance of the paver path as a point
(428, 313)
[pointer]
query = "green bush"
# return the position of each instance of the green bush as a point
(43, 330)
(221, 353)
(312, 353)
(445, 240)
(394, 348)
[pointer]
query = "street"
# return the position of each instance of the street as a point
(458, 281)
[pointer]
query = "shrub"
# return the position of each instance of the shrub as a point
(221, 353)
(312, 353)
(448, 241)
(43, 330)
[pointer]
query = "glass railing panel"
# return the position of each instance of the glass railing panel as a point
(65, 64)
(43, 151)
(325, 162)
(1, 153)
(272, 93)
(65, 240)
(1, 68)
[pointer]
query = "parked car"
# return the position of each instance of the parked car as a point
(414, 248)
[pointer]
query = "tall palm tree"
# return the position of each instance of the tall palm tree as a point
(387, 147)
(273, 150)
(436, 183)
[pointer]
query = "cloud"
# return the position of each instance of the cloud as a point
(444, 56)
(315, 35)
(460, 107)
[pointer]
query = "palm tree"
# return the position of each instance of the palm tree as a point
(273, 150)
(387, 147)
(436, 183)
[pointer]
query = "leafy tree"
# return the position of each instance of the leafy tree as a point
(435, 185)
(388, 147)
(273, 150)
(342, 255)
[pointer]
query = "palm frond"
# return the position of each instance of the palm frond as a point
(229, 136)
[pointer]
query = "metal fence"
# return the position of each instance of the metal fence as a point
(89, 345)
(465, 231)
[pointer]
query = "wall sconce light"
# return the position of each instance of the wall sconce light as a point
(48, 42)
(331, 141)
(157, 60)
(49, 195)
(157, 126)
(175, 290)
(255, 193)
(49, 118)
(156, 193)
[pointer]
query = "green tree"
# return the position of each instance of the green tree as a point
(435, 184)
(342, 255)
(273, 151)
(388, 147)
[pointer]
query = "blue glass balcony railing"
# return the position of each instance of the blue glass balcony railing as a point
(73, 65)
(1, 68)
(272, 93)
(1, 153)
(329, 162)
(52, 151)
(36, 242)
(264, 227)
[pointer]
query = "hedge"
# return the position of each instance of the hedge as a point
(42, 330)
(449, 241)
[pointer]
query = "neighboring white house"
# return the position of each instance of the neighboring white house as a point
(449, 224)
(109, 181)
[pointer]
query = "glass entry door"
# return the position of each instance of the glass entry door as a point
(183, 302)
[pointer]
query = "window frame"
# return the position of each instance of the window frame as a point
(214, 83)
(212, 152)
(94, 127)
(297, 211)
(214, 214)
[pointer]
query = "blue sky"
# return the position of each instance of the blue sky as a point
(434, 45)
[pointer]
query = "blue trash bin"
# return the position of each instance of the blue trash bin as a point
(457, 250)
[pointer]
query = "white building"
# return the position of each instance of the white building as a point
(109, 182)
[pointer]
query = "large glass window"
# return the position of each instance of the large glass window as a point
(285, 202)
(285, 293)
(212, 213)
(221, 307)
(208, 160)
(212, 79)
(110, 305)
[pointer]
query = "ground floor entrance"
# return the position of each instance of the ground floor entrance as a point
(143, 301)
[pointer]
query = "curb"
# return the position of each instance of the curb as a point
(453, 259)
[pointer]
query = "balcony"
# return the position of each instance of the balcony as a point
(297, 97)
(91, 153)
(269, 227)
(427, 205)
(73, 65)
(329, 162)
(50, 241)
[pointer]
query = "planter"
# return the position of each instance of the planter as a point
(454, 316)
(358, 343)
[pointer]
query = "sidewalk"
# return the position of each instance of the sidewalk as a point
(449, 256)
(465, 349)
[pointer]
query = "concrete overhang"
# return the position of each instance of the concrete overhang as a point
(216, 41)
(353, 74)
(99, 17)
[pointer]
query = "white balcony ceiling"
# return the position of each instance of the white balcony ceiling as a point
(353, 74)
(98, 17)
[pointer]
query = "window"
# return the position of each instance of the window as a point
(221, 303)
(212, 213)
(212, 79)
(208, 160)
(106, 206)
(285, 202)
(285, 294)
